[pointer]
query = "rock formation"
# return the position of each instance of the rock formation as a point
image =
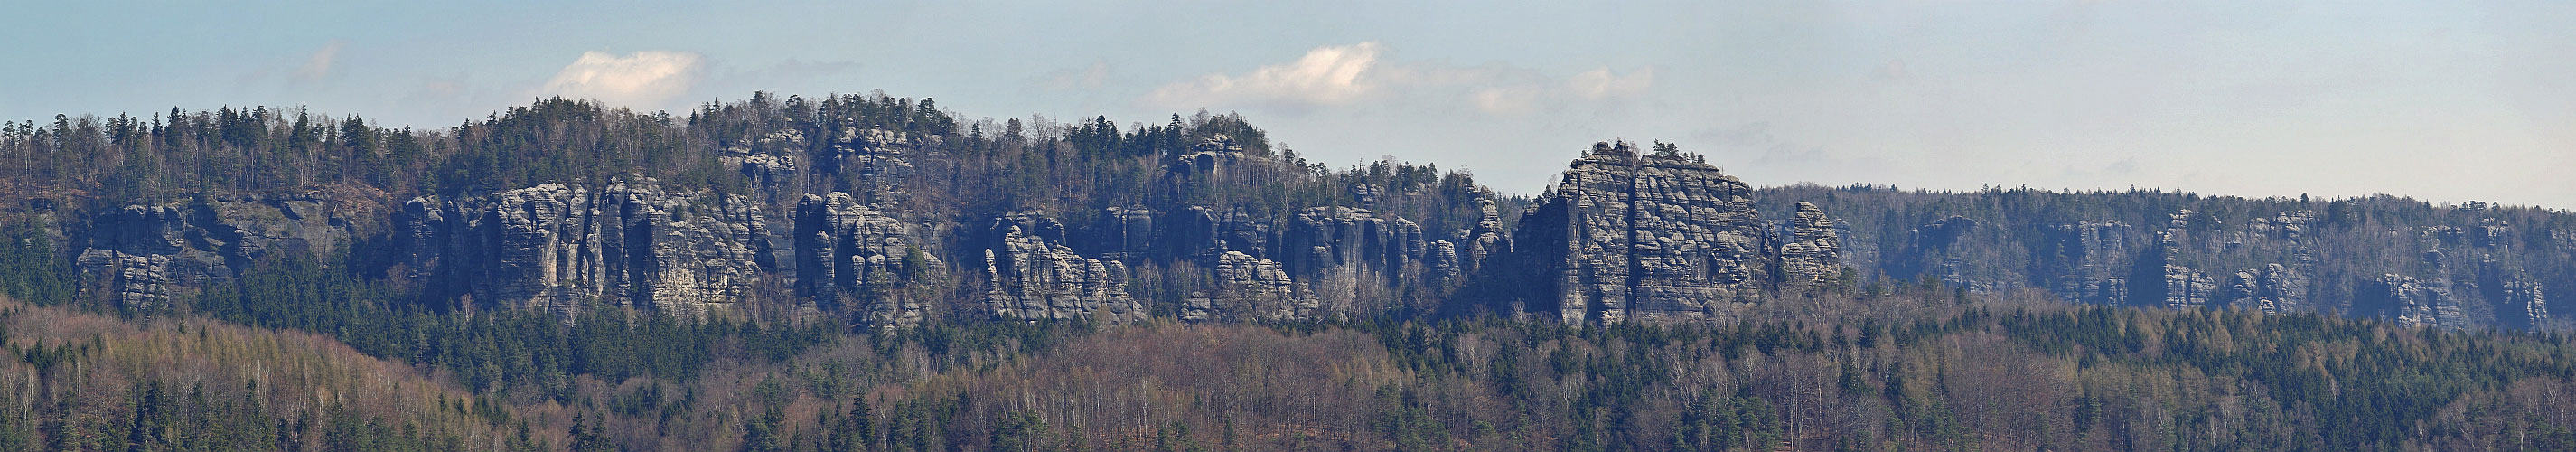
(141, 253)
(2095, 257)
(2185, 288)
(2273, 288)
(1812, 256)
(2417, 303)
(1032, 275)
(881, 159)
(848, 252)
(1247, 288)
(1125, 234)
(556, 247)
(1643, 237)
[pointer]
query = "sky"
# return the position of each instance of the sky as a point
(2440, 101)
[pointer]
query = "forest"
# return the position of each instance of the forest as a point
(214, 330)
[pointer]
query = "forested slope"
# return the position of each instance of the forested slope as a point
(866, 272)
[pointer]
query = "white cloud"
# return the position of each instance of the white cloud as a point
(1510, 91)
(319, 65)
(1506, 100)
(644, 80)
(1327, 75)
(1344, 75)
(1600, 83)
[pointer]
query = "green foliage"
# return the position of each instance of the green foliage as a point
(29, 268)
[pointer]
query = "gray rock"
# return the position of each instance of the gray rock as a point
(1812, 256)
(1125, 234)
(1199, 232)
(1247, 288)
(1625, 237)
(2095, 255)
(2185, 288)
(557, 247)
(1365, 195)
(2274, 288)
(146, 253)
(1480, 244)
(1031, 275)
(848, 252)
(881, 159)
(2418, 303)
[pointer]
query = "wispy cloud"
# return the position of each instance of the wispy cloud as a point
(1601, 83)
(1331, 76)
(643, 80)
(1325, 76)
(320, 63)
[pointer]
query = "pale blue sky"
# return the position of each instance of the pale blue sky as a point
(2444, 101)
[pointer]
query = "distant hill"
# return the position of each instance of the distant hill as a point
(750, 273)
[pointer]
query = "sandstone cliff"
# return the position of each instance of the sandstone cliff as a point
(557, 247)
(1647, 237)
(140, 254)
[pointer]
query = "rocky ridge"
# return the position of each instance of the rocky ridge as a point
(556, 247)
(140, 254)
(1646, 237)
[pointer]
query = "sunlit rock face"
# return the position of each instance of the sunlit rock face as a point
(1630, 237)
(1033, 275)
(556, 247)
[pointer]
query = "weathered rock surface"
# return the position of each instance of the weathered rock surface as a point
(2418, 303)
(2533, 303)
(1202, 232)
(1127, 234)
(1210, 162)
(1812, 255)
(142, 253)
(1247, 288)
(1032, 275)
(2095, 257)
(2185, 288)
(881, 159)
(848, 253)
(1480, 244)
(1325, 241)
(1629, 237)
(2273, 288)
(556, 246)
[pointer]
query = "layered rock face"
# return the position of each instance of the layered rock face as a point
(142, 253)
(2274, 288)
(1480, 244)
(2417, 303)
(555, 246)
(1812, 256)
(2095, 254)
(1638, 237)
(1126, 234)
(1247, 288)
(1211, 162)
(768, 162)
(1350, 244)
(881, 158)
(849, 253)
(2185, 288)
(1032, 275)
(1202, 232)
